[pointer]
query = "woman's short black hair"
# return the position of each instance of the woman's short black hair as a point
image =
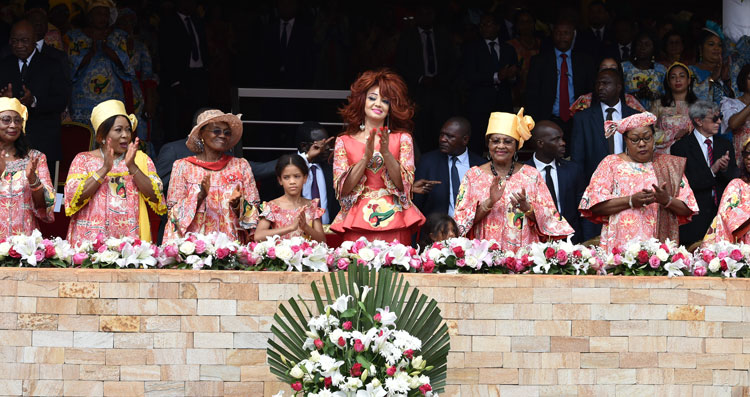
(106, 126)
(291, 159)
(437, 223)
(742, 78)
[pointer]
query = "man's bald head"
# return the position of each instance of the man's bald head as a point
(22, 39)
(548, 141)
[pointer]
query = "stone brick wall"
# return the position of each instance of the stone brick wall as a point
(133, 332)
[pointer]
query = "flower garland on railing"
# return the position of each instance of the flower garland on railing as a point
(216, 251)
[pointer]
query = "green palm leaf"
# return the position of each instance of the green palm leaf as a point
(416, 313)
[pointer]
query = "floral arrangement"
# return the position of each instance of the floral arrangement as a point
(563, 257)
(368, 341)
(291, 254)
(462, 255)
(198, 251)
(650, 258)
(375, 255)
(722, 259)
(33, 250)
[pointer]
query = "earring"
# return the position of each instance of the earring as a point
(199, 145)
(362, 126)
(388, 122)
(515, 157)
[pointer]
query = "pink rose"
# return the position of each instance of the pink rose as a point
(549, 253)
(736, 255)
(222, 253)
(103, 248)
(415, 263)
(13, 253)
(297, 386)
(664, 247)
(271, 253)
(708, 255)
(342, 263)
(358, 346)
(327, 382)
(342, 341)
(200, 247)
(122, 245)
(359, 244)
(722, 255)
(699, 271)
(724, 265)
(461, 263)
(428, 267)
(80, 257)
(458, 251)
(391, 370)
(137, 242)
(643, 256)
(577, 254)
(329, 260)
(192, 238)
(39, 255)
(438, 246)
(425, 388)
(295, 248)
(49, 251)
(616, 251)
(654, 262)
(356, 370)
(494, 247)
(376, 317)
(171, 251)
(347, 325)
(318, 344)
(562, 257)
(409, 353)
(617, 259)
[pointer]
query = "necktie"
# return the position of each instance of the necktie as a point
(625, 52)
(284, 39)
(611, 139)
(710, 151)
(564, 95)
(495, 57)
(455, 180)
(430, 52)
(314, 191)
(598, 33)
(193, 42)
(24, 70)
(550, 184)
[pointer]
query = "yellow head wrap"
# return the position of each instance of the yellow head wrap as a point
(16, 106)
(110, 108)
(516, 126)
(682, 65)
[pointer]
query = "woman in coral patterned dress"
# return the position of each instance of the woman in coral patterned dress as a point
(26, 193)
(504, 199)
(671, 111)
(291, 215)
(108, 189)
(213, 191)
(373, 167)
(638, 194)
(732, 221)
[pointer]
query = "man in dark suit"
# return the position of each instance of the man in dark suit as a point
(709, 168)
(439, 173)
(622, 47)
(184, 79)
(589, 145)
(288, 50)
(425, 57)
(563, 178)
(314, 145)
(39, 82)
(490, 68)
(598, 36)
(557, 76)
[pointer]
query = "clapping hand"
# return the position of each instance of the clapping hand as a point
(27, 99)
(7, 91)
(108, 155)
(661, 195)
(370, 146)
(721, 164)
(130, 155)
(385, 139)
(205, 186)
(643, 198)
(497, 187)
(31, 167)
(519, 201)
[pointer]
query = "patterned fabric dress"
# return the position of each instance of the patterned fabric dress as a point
(584, 102)
(615, 178)
(652, 79)
(730, 107)
(734, 211)
(672, 123)
(280, 217)
(505, 223)
(114, 209)
(214, 214)
(375, 208)
(101, 79)
(707, 90)
(17, 210)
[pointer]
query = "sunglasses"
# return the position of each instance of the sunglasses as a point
(8, 119)
(717, 117)
(218, 132)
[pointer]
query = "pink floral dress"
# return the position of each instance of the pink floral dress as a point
(214, 214)
(730, 107)
(615, 178)
(505, 223)
(672, 123)
(734, 211)
(375, 208)
(114, 209)
(280, 217)
(17, 209)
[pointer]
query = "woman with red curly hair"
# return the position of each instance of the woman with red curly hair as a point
(373, 166)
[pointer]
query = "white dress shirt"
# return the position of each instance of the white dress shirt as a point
(540, 167)
(307, 188)
(199, 62)
(289, 26)
(39, 45)
(704, 148)
(423, 36)
(462, 164)
(616, 116)
(630, 50)
(20, 69)
(496, 44)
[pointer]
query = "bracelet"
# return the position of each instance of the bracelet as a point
(137, 170)
(96, 177)
(37, 187)
(483, 208)
(630, 201)
(669, 202)
(36, 183)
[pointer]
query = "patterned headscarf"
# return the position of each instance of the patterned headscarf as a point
(628, 123)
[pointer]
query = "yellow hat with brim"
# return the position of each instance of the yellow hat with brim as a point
(516, 126)
(16, 106)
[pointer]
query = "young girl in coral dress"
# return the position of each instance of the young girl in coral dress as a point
(291, 215)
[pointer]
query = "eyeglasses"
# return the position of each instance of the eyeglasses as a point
(636, 141)
(218, 132)
(717, 117)
(8, 119)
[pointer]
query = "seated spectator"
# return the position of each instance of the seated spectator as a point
(562, 177)
(672, 47)
(291, 215)
(439, 173)
(713, 76)
(736, 113)
(438, 227)
(643, 76)
(584, 101)
(637, 195)
(671, 111)
(710, 166)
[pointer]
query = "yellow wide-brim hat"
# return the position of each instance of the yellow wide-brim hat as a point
(16, 106)
(107, 109)
(516, 126)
